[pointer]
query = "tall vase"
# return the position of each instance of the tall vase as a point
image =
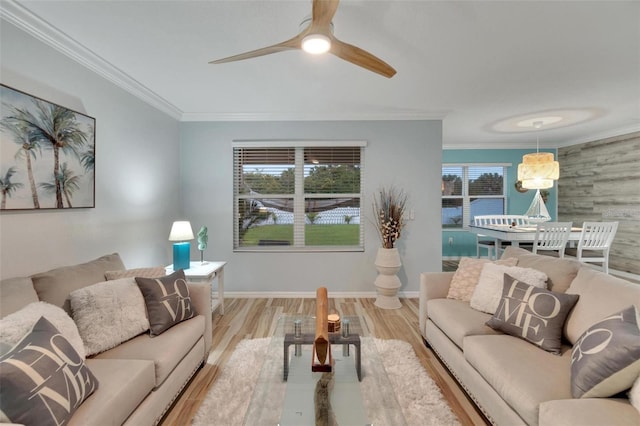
(387, 283)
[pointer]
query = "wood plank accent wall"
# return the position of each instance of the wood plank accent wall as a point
(600, 181)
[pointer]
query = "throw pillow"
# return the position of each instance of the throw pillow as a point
(108, 313)
(43, 380)
(606, 358)
(14, 326)
(487, 294)
(167, 299)
(534, 314)
(155, 272)
(466, 277)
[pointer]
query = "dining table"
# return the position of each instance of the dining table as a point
(517, 234)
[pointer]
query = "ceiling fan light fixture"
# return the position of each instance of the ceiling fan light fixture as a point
(316, 44)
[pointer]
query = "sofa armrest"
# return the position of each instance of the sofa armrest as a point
(201, 299)
(433, 285)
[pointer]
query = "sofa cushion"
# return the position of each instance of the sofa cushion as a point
(16, 294)
(488, 293)
(600, 295)
(588, 412)
(534, 314)
(124, 384)
(15, 326)
(634, 394)
(606, 358)
(43, 380)
(108, 313)
(523, 375)
(167, 299)
(55, 285)
(561, 272)
(457, 320)
(154, 272)
(466, 277)
(165, 350)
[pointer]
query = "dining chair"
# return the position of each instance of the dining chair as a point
(595, 242)
(483, 241)
(552, 236)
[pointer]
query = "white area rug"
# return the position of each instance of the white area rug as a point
(420, 398)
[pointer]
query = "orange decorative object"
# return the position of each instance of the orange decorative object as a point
(322, 360)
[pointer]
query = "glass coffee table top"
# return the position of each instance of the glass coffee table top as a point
(276, 401)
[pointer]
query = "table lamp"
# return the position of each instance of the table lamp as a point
(181, 233)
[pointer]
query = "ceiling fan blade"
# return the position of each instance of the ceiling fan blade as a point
(360, 57)
(322, 12)
(294, 43)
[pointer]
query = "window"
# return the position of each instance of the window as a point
(472, 190)
(297, 196)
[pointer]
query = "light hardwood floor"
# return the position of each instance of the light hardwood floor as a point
(251, 318)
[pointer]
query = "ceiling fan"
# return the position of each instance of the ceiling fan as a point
(318, 37)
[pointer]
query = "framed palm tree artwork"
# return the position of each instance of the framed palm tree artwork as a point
(47, 154)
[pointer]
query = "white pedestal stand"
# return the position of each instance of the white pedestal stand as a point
(387, 283)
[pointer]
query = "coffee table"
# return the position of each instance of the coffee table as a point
(285, 396)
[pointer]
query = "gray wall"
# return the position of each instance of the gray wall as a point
(407, 154)
(600, 181)
(137, 176)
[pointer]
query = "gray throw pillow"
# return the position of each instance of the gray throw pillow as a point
(167, 299)
(534, 314)
(606, 358)
(43, 380)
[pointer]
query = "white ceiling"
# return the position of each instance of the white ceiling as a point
(472, 63)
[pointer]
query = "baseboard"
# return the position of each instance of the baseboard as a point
(311, 294)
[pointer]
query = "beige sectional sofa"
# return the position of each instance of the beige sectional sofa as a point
(511, 380)
(138, 379)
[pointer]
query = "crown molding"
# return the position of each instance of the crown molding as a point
(620, 131)
(19, 16)
(321, 116)
(612, 133)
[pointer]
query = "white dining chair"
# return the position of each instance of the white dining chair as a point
(552, 236)
(595, 242)
(482, 241)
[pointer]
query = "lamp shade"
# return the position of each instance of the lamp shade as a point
(181, 231)
(538, 170)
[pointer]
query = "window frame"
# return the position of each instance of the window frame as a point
(466, 198)
(298, 195)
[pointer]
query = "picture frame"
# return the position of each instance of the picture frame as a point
(47, 154)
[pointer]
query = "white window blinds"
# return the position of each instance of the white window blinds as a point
(469, 190)
(298, 195)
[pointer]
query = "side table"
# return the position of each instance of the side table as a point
(199, 272)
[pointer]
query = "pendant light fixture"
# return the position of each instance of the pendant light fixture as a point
(538, 170)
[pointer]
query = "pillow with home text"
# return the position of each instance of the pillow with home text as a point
(533, 314)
